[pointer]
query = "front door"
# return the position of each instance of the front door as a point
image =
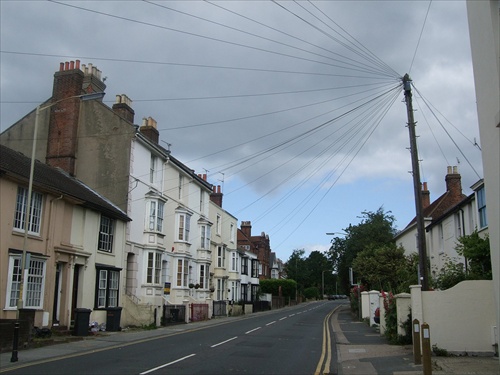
(74, 294)
(57, 296)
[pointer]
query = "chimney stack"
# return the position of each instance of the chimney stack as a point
(149, 130)
(123, 108)
(216, 196)
(63, 125)
(426, 196)
(246, 228)
(454, 183)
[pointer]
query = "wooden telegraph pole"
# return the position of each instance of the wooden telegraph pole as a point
(417, 187)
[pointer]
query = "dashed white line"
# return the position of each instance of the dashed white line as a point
(291, 315)
(223, 342)
(252, 330)
(268, 324)
(284, 318)
(167, 364)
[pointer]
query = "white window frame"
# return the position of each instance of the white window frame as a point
(152, 169)
(219, 224)
(183, 226)
(232, 233)
(107, 287)
(153, 267)
(221, 257)
(35, 216)
(234, 261)
(204, 272)
(106, 234)
(156, 215)
(205, 234)
(182, 273)
(34, 282)
(481, 208)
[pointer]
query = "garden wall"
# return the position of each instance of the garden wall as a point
(461, 319)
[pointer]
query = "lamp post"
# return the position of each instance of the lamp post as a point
(27, 212)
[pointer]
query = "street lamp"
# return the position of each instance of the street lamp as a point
(20, 303)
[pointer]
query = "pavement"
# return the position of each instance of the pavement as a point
(360, 349)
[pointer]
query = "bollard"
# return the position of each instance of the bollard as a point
(426, 349)
(417, 353)
(15, 342)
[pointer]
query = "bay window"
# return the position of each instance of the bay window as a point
(154, 263)
(183, 226)
(182, 273)
(156, 208)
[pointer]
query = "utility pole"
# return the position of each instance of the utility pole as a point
(417, 187)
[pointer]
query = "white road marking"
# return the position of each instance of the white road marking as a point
(167, 364)
(223, 342)
(252, 330)
(268, 324)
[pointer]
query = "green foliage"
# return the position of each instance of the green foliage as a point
(312, 271)
(312, 293)
(386, 268)
(391, 318)
(375, 230)
(274, 286)
(476, 251)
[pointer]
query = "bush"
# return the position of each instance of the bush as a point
(311, 293)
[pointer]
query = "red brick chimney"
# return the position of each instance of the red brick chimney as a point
(216, 196)
(246, 228)
(70, 81)
(148, 129)
(123, 108)
(454, 184)
(426, 196)
(63, 126)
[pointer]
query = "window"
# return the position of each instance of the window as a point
(152, 169)
(481, 208)
(183, 226)
(181, 183)
(156, 209)
(234, 291)
(220, 289)
(219, 224)
(107, 285)
(232, 233)
(154, 267)
(205, 237)
(221, 256)
(204, 272)
(234, 261)
(182, 273)
(244, 292)
(255, 268)
(33, 284)
(106, 234)
(34, 218)
(244, 265)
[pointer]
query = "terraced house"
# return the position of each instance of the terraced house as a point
(169, 253)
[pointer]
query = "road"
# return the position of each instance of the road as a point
(294, 340)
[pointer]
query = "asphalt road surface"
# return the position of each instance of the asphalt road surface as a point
(294, 340)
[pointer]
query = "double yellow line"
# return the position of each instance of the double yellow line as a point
(326, 352)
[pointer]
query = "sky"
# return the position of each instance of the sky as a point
(295, 108)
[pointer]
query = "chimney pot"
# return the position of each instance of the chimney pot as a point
(66, 65)
(77, 64)
(72, 65)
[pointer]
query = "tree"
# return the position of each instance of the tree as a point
(386, 268)
(375, 229)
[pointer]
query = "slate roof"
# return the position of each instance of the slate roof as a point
(440, 206)
(54, 180)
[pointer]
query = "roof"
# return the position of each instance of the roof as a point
(439, 207)
(54, 180)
